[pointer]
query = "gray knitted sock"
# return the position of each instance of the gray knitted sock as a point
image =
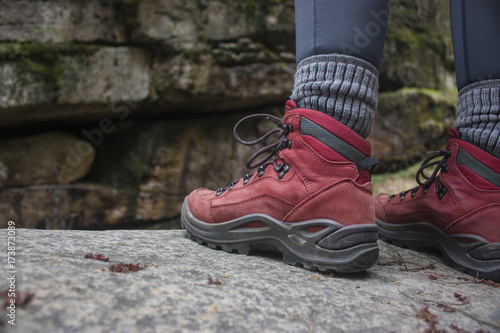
(343, 87)
(478, 115)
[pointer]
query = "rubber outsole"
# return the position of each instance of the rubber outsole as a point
(476, 256)
(333, 248)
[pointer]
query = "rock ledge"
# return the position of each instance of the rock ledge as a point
(256, 293)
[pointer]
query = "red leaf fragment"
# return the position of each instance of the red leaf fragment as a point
(461, 298)
(97, 256)
(212, 281)
(433, 329)
(426, 315)
(126, 268)
(487, 282)
(481, 281)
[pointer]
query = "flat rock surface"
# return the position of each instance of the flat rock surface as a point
(255, 293)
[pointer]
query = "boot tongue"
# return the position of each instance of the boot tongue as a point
(290, 105)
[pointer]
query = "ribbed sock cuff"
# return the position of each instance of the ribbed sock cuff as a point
(478, 115)
(343, 87)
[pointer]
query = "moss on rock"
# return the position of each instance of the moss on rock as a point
(43, 60)
(409, 123)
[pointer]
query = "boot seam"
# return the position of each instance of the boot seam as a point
(275, 182)
(439, 219)
(470, 185)
(317, 193)
(331, 164)
(430, 196)
(474, 188)
(268, 196)
(324, 162)
(471, 214)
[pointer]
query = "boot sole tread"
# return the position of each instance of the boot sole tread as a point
(335, 248)
(477, 257)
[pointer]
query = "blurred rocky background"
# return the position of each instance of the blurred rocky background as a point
(111, 111)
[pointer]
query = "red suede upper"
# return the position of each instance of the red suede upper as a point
(471, 205)
(320, 184)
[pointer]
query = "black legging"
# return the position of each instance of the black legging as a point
(351, 27)
(358, 27)
(475, 29)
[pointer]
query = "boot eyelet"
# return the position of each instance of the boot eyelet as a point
(442, 192)
(283, 172)
(220, 191)
(402, 195)
(260, 171)
(425, 189)
(392, 196)
(233, 184)
(246, 178)
(414, 192)
(289, 127)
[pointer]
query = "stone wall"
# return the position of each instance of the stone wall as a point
(112, 111)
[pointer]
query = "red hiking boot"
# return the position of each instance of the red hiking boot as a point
(313, 203)
(457, 211)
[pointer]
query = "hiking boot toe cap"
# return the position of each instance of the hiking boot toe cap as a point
(199, 204)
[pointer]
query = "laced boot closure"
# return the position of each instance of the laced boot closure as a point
(440, 167)
(309, 196)
(283, 130)
(278, 164)
(457, 212)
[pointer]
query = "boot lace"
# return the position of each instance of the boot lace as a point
(425, 181)
(269, 151)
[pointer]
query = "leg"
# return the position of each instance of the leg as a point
(457, 208)
(339, 48)
(475, 31)
(306, 203)
(353, 27)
